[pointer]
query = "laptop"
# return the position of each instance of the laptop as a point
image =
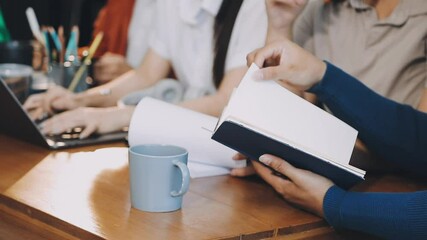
(16, 122)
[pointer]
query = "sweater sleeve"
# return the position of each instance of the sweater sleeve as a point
(387, 215)
(392, 131)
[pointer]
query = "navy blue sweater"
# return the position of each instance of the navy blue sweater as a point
(394, 132)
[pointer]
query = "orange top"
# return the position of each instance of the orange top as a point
(114, 20)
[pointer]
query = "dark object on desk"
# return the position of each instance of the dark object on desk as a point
(17, 52)
(253, 144)
(18, 79)
(15, 122)
(62, 74)
(22, 52)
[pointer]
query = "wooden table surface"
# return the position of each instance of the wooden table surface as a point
(84, 194)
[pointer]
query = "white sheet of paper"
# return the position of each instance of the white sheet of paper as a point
(198, 170)
(157, 122)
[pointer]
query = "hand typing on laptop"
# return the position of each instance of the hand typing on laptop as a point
(55, 99)
(91, 120)
(19, 124)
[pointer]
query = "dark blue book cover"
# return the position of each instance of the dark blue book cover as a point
(253, 144)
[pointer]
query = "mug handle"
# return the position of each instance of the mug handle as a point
(185, 178)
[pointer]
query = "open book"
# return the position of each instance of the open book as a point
(263, 117)
(158, 122)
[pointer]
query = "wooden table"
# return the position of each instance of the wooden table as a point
(82, 194)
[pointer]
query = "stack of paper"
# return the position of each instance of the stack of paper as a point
(157, 122)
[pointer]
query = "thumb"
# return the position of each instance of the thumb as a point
(268, 73)
(280, 166)
(87, 131)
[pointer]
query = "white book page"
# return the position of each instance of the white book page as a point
(278, 112)
(157, 122)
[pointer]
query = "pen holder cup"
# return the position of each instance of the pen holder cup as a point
(63, 74)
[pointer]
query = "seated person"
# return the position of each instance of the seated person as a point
(361, 37)
(184, 40)
(395, 132)
(364, 38)
(126, 26)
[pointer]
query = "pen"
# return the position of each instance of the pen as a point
(62, 43)
(71, 50)
(87, 61)
(48, 51)
(56, 41)
(34, 24)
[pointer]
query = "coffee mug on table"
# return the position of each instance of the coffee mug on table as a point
(159, 177)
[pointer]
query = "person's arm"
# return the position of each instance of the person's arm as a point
(392, 131)
(388, 215)
(110, 66)
(109, 119)
(152, 69)
(215, 103)
(377, 119)
(281, 17)
(422, 105)
(100, 120)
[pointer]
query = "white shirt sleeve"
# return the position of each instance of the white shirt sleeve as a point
(139, 31)
(159, 36)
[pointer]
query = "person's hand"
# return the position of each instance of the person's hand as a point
(286, 61)
(109, 67)
(282, 13)
(99, 120)
(55, 99)
(245, 171)
(303, 188)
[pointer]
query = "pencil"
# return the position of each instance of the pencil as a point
(87, 61)
(71, 50)
(62, 44)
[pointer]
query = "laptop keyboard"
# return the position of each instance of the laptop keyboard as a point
(68, 135)
(71, 134)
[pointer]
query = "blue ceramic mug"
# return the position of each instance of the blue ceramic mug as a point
(159, 177)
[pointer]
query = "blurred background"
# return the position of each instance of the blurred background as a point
(51, 13)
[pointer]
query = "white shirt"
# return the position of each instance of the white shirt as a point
(139, 29)
(184, 35)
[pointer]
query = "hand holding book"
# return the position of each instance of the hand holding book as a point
(295, 68)
(280, 123)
